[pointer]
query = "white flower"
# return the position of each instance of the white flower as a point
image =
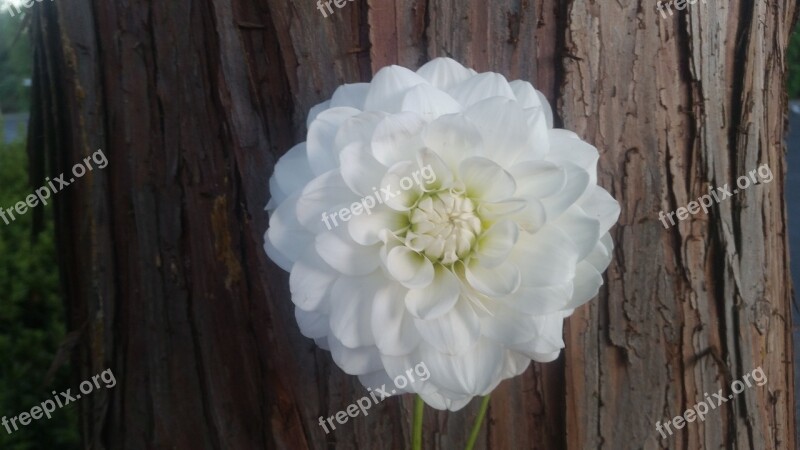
(471, 274)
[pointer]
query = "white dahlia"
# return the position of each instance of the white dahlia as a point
(471, 268)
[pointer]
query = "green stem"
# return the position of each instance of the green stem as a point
(476, 428)
(416, 431)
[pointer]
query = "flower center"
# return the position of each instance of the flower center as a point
(444, 226)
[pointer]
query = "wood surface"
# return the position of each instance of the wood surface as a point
(193, 102)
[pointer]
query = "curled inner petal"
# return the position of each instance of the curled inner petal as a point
(444, 227)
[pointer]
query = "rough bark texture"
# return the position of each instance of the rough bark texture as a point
(193, 102)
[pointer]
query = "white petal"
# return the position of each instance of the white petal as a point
(496, 243)
(528, 214)
(587, 284)
(544, 357)
(323, 197)
(388, 87)
(470, 373)
(495, 281)
(565, 148)
(345, 255)
(548, 110)
(285, 233)
(509, 327)
(539, 300)
(351, 308)
(529, 349)
(486, 180)
(493, 211)
(411, 368)
(322, 155)
(275, 255)
(436, 299)
(581, 229)
(375, 380)
(443, 402)
(355, 361)
(536, 107)
(293, 172)
(352, 95)
(444, 73)
(312, 325)
(549, 339)
(515, 364)
(277, 196)
(453, 138)
(537, 133)
(365, 228)
(525, 94)
(505, 130)
(599, 204)
(433, 171)
(399, 190)
(390, 241)
(392, 326)
(533, 217)
(310, 282)
(360, 170)
(547, 257)
(323, 343)
(481, 87)
(315, 110)
(577, 184)
(397, 138)
(600, 257)
(455, 332)
(567, 133)
(538, 179)
(410, 268)
(359, 128)
(429, 103)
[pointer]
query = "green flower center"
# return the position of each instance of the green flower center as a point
(444, 226)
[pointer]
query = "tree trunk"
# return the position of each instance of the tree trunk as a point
(193, 102)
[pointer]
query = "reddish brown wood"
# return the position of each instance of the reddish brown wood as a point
(193, 102)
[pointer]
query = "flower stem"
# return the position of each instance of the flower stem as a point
(416, 431)
(476, 428)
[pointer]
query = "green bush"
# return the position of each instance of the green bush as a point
(15, 64)
(793, 61)
(32, 318)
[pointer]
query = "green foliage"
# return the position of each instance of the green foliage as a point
(31, 318)
(793, 61)
(16, 63)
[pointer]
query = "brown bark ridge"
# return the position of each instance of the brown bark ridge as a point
(193, 103)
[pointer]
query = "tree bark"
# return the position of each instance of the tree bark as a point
(192, 103)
